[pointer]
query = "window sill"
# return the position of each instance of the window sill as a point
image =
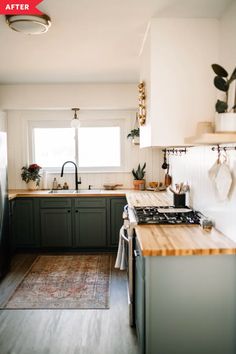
(84, 172)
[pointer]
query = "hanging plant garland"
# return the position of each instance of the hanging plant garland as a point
(142, 105)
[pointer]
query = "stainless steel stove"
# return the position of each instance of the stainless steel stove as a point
(166, 215)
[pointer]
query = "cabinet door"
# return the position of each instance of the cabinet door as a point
(90, 227)
(56, 228)
(117, 207)
(140, 302)
(23, 223)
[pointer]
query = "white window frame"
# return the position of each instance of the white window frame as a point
(90, 123)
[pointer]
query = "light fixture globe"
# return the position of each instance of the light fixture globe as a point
(29, 24)
(75, 123)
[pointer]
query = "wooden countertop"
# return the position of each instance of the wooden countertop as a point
(22, 193)
(182, 240)
(157, 240)
(176, 240)
(147, 198)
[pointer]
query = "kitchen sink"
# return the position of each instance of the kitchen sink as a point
(62, 191)
(72, 191)
(88, 191)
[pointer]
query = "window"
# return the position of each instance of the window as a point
(99, 147)
(95, 146)
(53, 146)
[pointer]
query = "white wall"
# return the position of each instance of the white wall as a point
(18, 123)
(193, 168)
(25, 103)
(66, 96)
(145, 76)
(181, 93)
(227, 38)
(227, 44)
(195, 165)
(3, 121)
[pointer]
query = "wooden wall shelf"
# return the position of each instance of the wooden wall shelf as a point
(212, 139)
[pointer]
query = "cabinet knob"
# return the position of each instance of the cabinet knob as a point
(68, 211)
(77, 211)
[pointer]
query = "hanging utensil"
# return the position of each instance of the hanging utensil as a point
(164, 165)
(168, 178)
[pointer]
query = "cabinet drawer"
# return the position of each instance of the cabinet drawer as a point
(90, 202)
(55, 203)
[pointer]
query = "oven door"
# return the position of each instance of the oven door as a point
(127, 236)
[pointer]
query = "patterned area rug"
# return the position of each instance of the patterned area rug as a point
(65, 282)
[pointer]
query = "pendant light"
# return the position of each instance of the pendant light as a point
(75, 123)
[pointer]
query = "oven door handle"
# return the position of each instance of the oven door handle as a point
(136, 253)
(124, 237)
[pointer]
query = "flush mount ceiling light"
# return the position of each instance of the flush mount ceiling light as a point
(75, 123)
(29, 24)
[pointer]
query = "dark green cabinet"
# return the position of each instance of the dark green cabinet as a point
(90, 227)
(140, 298)
(90, 218)
(23, 223)
(56, 229)
(185, 302)
(116, 208)
(62, 222)
(11, 227)
(56, 222)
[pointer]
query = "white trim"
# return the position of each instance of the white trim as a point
(89, 123)
(72, 171)
(42, 124)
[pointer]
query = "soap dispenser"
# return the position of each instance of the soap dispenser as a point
(54, 183)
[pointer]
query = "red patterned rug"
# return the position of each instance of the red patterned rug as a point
(65, 282)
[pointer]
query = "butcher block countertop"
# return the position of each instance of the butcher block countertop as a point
(176, 240)
(156, 240)
(182, 240)
(23, 193)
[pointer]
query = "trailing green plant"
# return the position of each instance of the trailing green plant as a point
(31, 173)
(222, 82)
(139, 173)
(133, 133)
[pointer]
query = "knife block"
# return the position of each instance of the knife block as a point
(179, 200)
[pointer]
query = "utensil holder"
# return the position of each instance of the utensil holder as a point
(179, 200)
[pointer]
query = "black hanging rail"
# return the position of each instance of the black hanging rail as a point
(175, 151)
(219, 148)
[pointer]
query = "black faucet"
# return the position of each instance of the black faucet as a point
(77, 181)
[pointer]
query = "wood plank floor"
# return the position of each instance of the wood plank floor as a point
(65, 331)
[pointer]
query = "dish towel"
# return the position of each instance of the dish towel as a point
(121, 258)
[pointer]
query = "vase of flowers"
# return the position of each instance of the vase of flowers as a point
(31, 176)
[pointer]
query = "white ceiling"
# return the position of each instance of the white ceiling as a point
(90, 40)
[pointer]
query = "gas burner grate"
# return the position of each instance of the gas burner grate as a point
(166, 215)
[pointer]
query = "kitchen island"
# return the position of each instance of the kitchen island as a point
(185, 286)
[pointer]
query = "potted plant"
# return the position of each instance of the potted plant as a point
(139, 181)
(134, 135)
(226, 117)
(31, 176)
